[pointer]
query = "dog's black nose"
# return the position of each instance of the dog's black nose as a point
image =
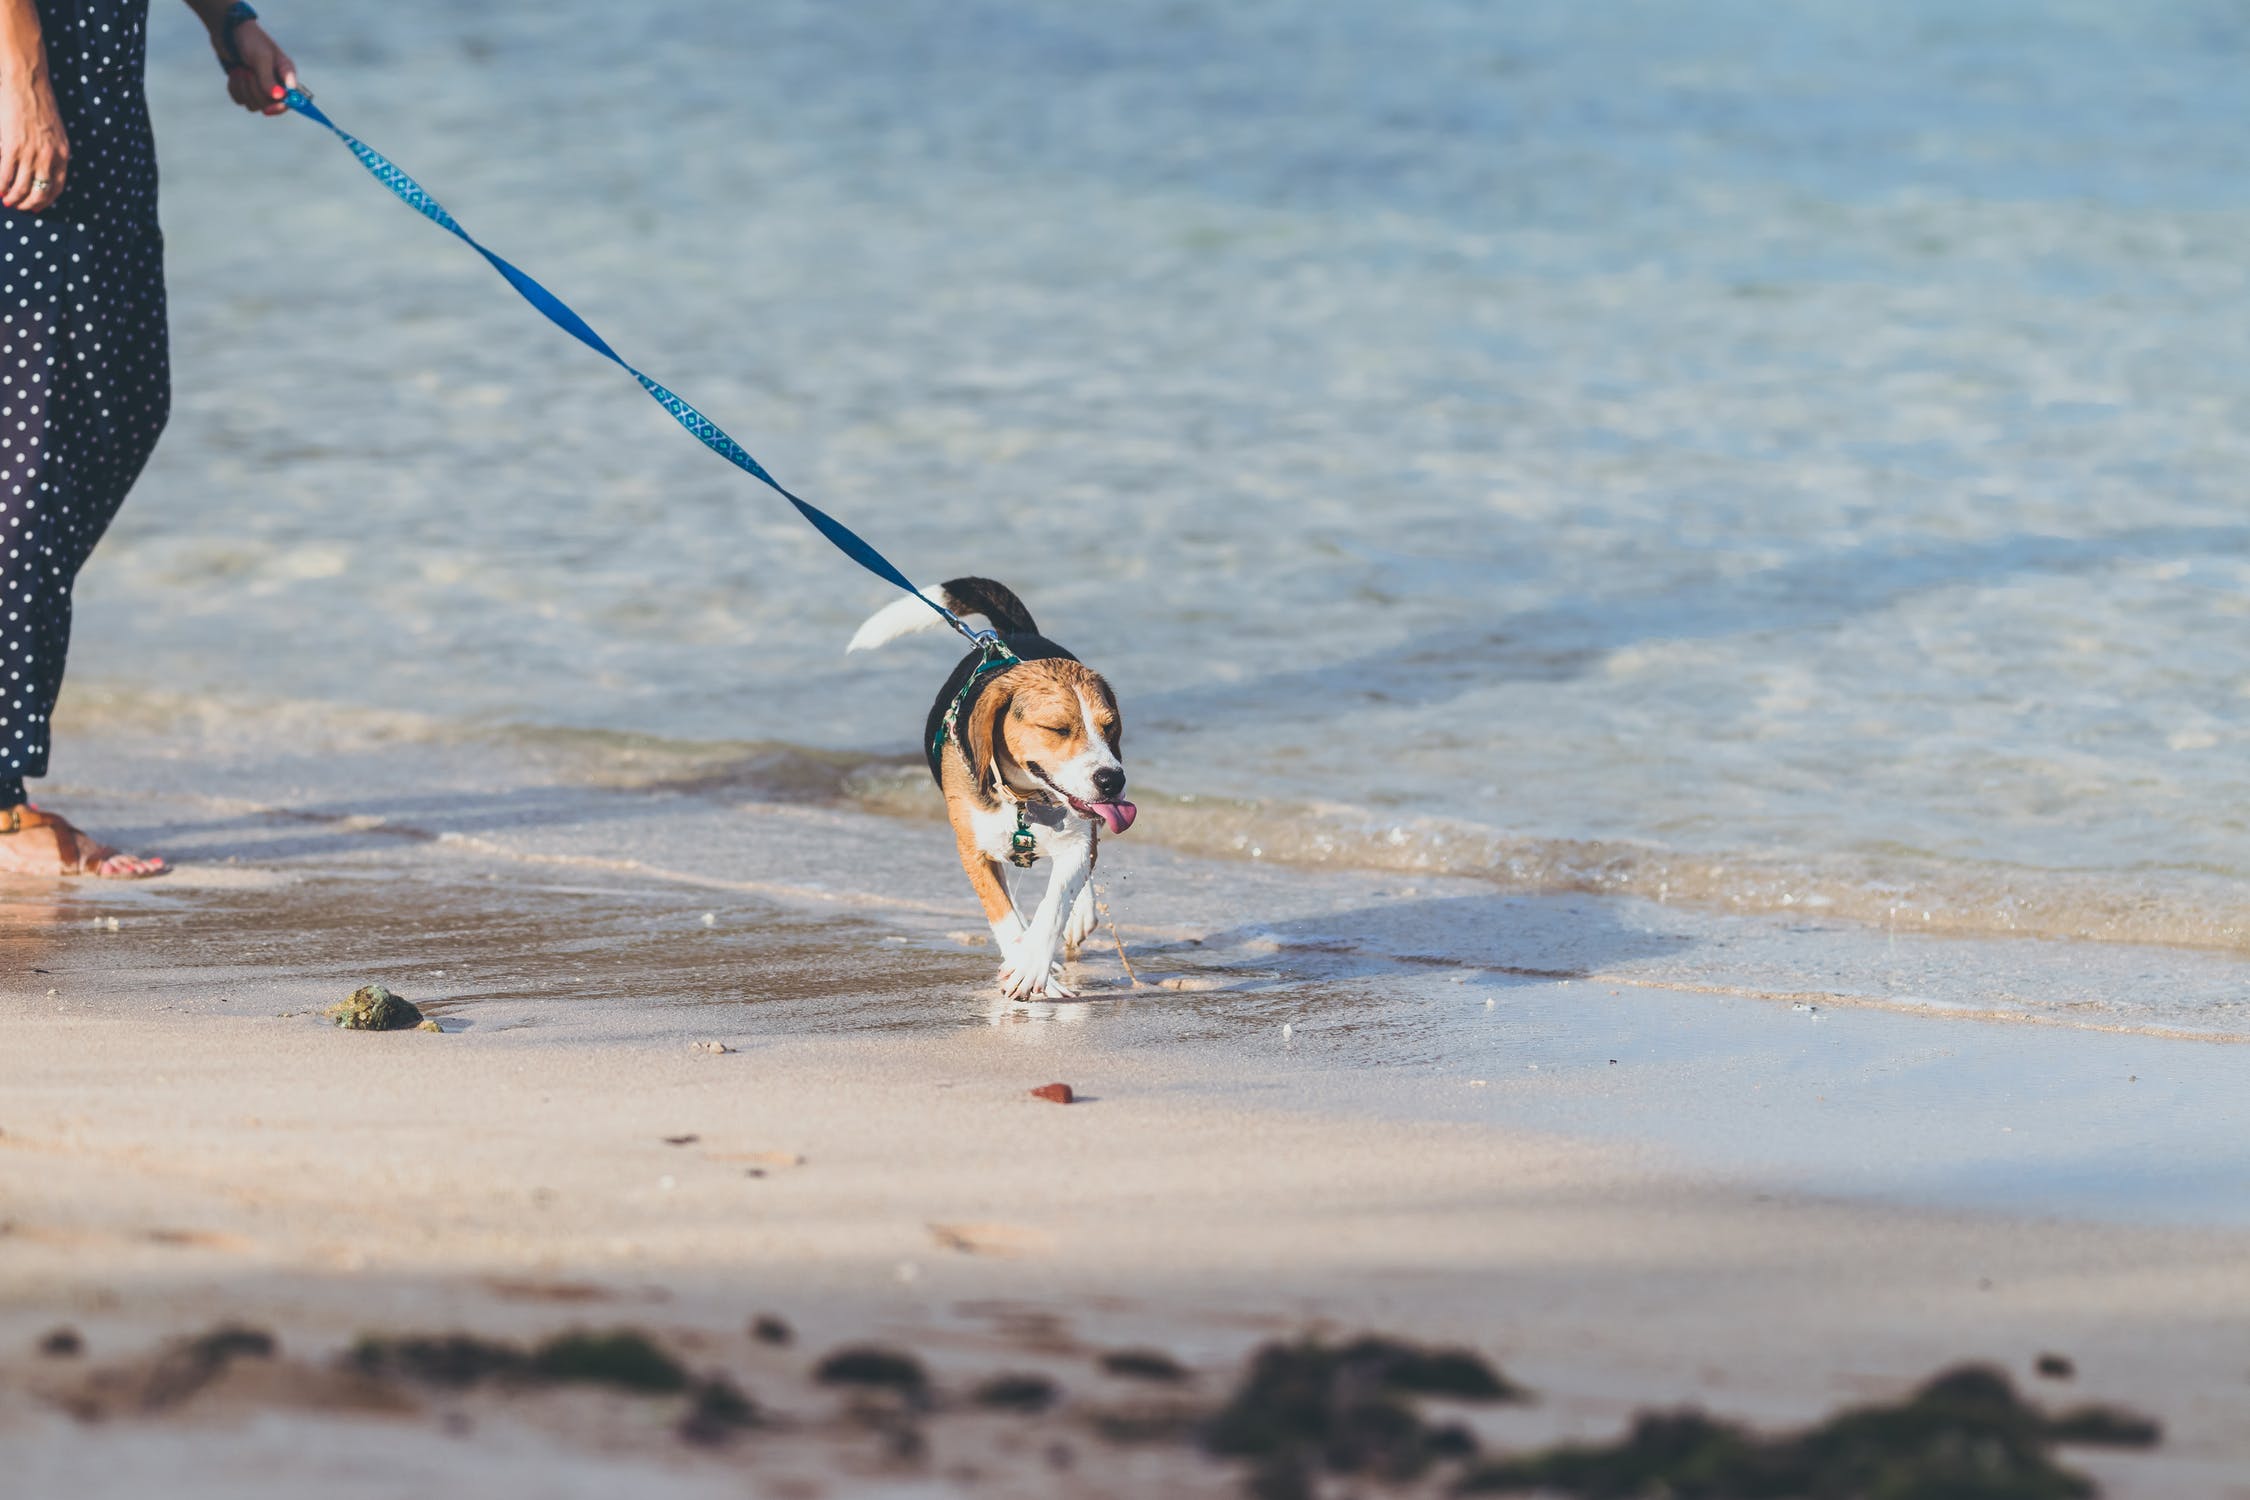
(1108, 782)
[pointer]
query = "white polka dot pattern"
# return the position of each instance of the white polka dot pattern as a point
(85, 378)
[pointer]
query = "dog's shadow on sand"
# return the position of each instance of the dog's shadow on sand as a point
(1394, 980)
(1495, 940)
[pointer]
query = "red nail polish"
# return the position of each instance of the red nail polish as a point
(278, 91)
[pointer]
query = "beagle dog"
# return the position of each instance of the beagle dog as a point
(1024, 744)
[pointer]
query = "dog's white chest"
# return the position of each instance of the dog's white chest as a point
(1049, 827)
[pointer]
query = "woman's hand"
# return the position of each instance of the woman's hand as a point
(34, 150)
(34, 147)
(259, 73)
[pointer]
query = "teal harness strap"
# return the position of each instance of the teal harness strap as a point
(997, 657)
(1023, 845)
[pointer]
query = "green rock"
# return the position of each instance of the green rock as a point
(374, 1008)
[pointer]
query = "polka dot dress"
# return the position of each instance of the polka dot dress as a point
(85, 377)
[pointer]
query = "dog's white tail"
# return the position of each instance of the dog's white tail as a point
(901, 617)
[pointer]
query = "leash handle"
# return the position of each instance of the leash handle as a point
(705, 431)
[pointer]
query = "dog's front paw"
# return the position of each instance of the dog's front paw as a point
(1021, 985)
(1030, 975)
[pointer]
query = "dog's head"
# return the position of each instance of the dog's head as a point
(1053, 726)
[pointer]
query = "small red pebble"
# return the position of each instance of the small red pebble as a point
(1054, 1093)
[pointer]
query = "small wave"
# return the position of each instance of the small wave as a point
(1895, 891)
(1898, 891)
(1901, 892)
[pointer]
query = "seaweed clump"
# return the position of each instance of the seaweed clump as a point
(193, 1363)
(1459, 1374)
(1310, 1406)
(870, 1367)
(1029, 1394)
(1964, 1435)
(717, 1412)
(373, 1008)
(454, 1360)
(1143, 1364)
(623, 1359)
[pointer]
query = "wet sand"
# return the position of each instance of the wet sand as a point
(1321, 1127)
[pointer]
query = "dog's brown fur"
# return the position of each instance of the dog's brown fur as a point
(1028, 715)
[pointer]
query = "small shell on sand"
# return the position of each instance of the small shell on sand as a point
(709, 1047)
(1054, 1093)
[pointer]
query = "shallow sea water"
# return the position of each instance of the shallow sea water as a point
(1760, 457)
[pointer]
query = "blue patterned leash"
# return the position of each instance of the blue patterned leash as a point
(706, 431)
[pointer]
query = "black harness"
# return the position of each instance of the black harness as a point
(958, 698)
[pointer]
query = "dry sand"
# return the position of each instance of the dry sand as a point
(165, 1173)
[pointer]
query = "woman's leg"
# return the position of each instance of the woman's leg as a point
(118, 384)
(38, 493)
(83, 394)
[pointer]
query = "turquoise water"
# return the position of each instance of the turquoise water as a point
(1772, 454)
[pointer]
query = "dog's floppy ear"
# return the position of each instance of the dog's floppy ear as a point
(979, 734)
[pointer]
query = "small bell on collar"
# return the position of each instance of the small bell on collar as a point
(1023, 845)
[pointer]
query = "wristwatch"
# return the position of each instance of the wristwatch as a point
(229, 23)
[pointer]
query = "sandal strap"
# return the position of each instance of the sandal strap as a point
(23, 815)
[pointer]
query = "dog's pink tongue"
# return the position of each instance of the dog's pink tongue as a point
(1118, 815)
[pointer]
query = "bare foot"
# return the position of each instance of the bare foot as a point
(44, 844)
